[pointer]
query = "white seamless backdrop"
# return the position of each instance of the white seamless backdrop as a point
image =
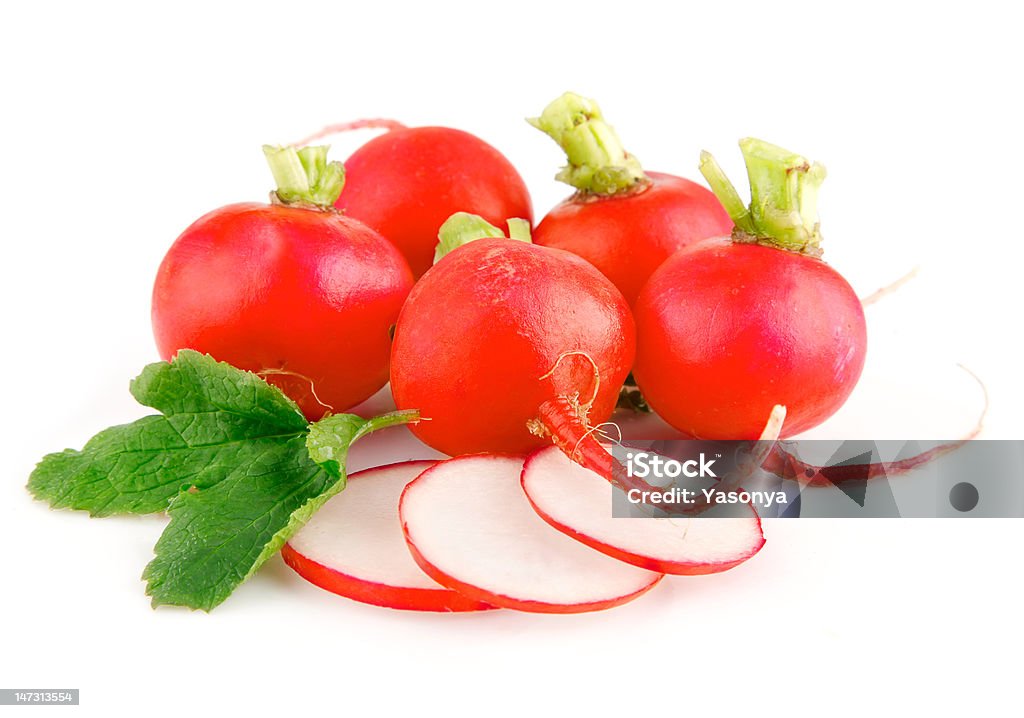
(122, 123)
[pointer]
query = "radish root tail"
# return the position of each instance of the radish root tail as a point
(378, 123)
(769, 435)
(984, 410)
(593, 365)
(312, 386)
(786, 465)
(889, 288)
(759, 452)
(603, 434)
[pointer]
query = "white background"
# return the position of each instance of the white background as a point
(122, 124)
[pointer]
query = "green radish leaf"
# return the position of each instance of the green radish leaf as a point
(215, 418)
(328, 443)
(219, 537)
(231, 459)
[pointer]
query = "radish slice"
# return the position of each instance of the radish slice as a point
(354, 547)
(470, 527)
(578, 502)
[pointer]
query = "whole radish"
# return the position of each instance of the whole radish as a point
(292, 290)
(503, 344)
(730, 327)
(407, 182)
(622, 220)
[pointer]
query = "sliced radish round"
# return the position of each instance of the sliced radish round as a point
(354, 546)
(469, 525)
(578, 502)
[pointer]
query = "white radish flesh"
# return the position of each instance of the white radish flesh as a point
(471, 528)
(578, 502)
(354, 546)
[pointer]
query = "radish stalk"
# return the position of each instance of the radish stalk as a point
(598, 164)
(622, 219)
(462, 228)
(784, 187)
(305, 177)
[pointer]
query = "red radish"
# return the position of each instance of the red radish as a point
(732, 326)
(292, 290)
(499, 328)
(354, 546)
(623, 221)
(578, 502)
(470, 527)
(406, 183)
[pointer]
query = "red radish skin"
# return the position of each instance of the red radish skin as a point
(578, 502)
(577, 440)
(354, 547)
(622, 220)
(727, 330)
(483, 327)
(470, 527)
(524, 605)
(304, 296)
(628, 237)
(383, 595)
(406, 183)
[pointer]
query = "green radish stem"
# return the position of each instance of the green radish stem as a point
(304, 176)
(598, 164)
(462, 228)
(783, 210)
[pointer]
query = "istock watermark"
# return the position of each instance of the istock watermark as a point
(643, 464)
(710, 497)
(819, 479)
